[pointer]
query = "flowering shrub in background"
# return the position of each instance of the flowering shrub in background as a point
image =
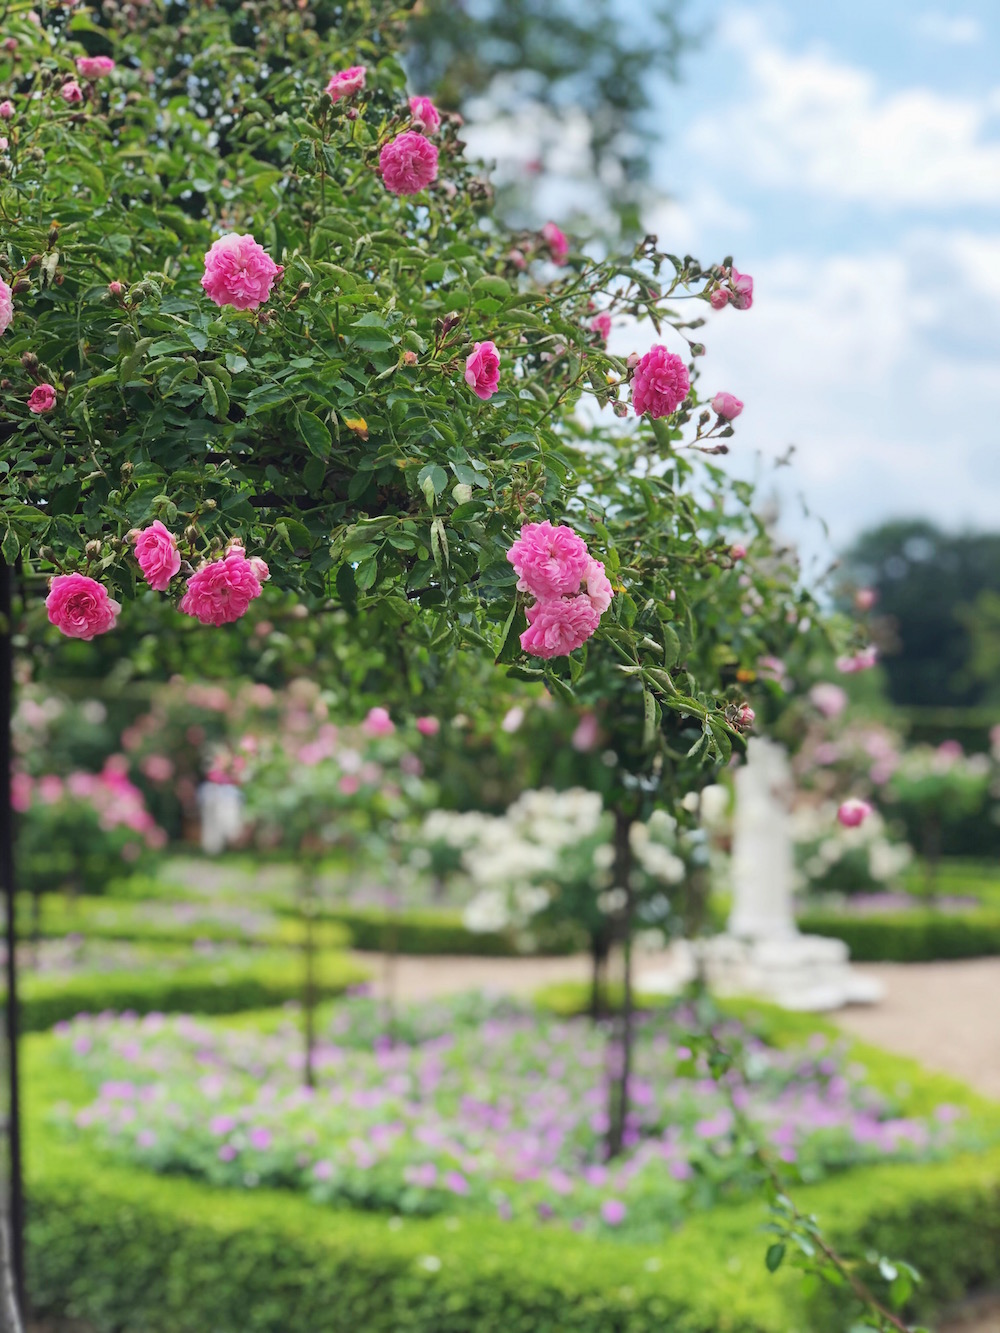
(475, 1107)
(81, 831)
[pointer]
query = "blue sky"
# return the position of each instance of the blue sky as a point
(848, 155)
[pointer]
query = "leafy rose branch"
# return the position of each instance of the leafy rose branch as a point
(798, 1236)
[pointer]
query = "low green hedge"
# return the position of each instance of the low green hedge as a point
(918, 936)
(129, 1252)
(110, 919)
(262, 979)
(431, 931)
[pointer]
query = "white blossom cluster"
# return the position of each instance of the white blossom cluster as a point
(823, 845)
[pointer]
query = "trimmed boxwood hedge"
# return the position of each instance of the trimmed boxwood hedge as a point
(432, 931)
(262, 979)
(130, 1252)
(919, 936)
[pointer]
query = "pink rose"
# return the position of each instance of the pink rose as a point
(587, 733)
(347, 82)
(853, 812)
(550, 561)
(727, 406)
(408, 163)
(428, 726)
(482, 370)
(378, 723)
(602, 324)
(94, 67)
(864, 598)
(737, 552)
(828, 699)
(79, 607)
(6, 110)
(660, 383)
(6, 306)
(259, 568)
(719, 298)
(157, 554)
(425, 114)
(42, 399)
(773, 668)
(742, 289)
(556, 240)
(597, 586)
(239, 272)
(221, 591)
(558, 626)
(863, 660)
(71, 92)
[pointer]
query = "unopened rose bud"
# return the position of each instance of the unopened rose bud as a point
(191, 535)
(115, 288)
(516, 258)
(727, 406)
(745, 717)
(69, 378)
(409, 357)
(93, 549)
(46, 553)
(865, 598)
(33, 262)
(352, 113)
(53, 233)
(719, 298)
(620, 409)
(209, 504)
(10, 44)
(132, 535)
(301, 290)
(21, 285)
(632, 360)
(29, 361)
(6, 384)
(6, 110)
(738, 552)
(697, 349)
(126, 470)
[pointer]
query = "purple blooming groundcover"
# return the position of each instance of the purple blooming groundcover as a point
(474, 1105)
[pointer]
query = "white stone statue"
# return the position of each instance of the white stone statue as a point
(763, 868)
(221, 807)
(762, 952)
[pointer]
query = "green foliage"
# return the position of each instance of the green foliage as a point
(414, 931)
(262, 978)
(934, 591)
(917, 936)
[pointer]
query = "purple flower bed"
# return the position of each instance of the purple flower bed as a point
(475, 1105)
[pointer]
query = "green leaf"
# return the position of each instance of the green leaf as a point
(774, 1256)
(313, 473)
(432, 479)
(216, 398)
(514, 627)
(347, 588)
(315, 434)
(492, 285)
(671, 646)
(651, 718)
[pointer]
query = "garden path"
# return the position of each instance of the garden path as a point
(946, 1015)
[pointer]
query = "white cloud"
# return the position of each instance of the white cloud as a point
(810, 122)
(949, 29)
(880, 368)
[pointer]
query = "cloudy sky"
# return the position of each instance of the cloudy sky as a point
(848, 156)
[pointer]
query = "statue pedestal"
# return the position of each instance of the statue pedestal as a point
(762, 952)
(805, 972)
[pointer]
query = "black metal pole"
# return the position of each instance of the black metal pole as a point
(15, 1185)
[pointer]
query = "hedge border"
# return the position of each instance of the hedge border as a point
(265, 979)
(130, 1252)
(920, 936)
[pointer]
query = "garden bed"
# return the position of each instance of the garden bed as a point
(129, 1250)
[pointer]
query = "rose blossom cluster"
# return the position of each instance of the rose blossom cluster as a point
(426, 116)
(738, 292)
(6, 306)
(570, 588)
(221, 590)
